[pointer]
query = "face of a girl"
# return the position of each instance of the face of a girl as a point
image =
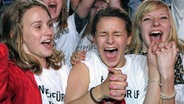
(37, 33)
(54, 7)
(155, 26)
(111, 39)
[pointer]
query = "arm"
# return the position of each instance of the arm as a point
(3, 74)
(153, 90)
(166, 61)
(78, 83)
(160, 58)
(84, 7)
(74, 3)
(82, 14)
(115, 3)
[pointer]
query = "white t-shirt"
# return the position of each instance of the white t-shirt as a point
(135, 68)
(67, 41)
(52, 84)
(85, 43)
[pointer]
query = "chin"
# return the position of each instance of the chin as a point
(111, 64)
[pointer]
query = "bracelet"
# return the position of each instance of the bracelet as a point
(92, 96)
(167, 97)
(155, 81)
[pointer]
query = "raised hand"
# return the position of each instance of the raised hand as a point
(166, 57)
(116, 81)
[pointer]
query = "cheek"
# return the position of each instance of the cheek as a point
(99, 42)
(143, 29)
(167, 27)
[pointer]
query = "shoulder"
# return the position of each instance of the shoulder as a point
(92, 54)
(3, 50)
(137, 62)
(135, 57)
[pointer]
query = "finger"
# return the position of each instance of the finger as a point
(117, 94)
(118, 77)
(114, 71)
(80, 55)
(118, 85)
(74, 58)
(152, 48)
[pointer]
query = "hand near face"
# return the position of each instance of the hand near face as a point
(166, 57)
(117, 85)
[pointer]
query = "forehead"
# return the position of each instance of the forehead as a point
(162, 11)
(35, 13)
(111, 22)
(153, 9)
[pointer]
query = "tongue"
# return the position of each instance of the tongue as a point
(46, 45)
(52, 9)
(111, 55)
(156, 39)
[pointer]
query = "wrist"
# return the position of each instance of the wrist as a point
(154, 73)
(167, 97)
(167, 80)
(95, 94)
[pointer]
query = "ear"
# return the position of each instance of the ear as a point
(129, 39)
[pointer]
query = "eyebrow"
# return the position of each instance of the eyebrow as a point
(39, 21)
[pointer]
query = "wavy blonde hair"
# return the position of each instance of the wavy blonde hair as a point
(144, 8)
(12, 37)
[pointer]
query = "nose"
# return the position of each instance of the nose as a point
(48, 30)
(110, 39)
(156, 22)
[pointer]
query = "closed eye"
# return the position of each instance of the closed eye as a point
(164, 17)
(38, 26)
(117, 33)
(146, 19)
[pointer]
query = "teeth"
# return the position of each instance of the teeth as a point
(47, 41)
(156, 32)
(52, 5)
(110, 48)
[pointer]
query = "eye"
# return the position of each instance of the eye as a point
(117, 33)
(164, 17)
(37, 26)
(102, 34)
(50, 24)
(146, 19)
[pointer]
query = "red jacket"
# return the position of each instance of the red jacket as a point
(16, 86)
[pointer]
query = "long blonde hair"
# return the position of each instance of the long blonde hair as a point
(144, 8)
(12, 36)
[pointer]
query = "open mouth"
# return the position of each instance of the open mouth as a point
(47, 43)
(52, 5)
(155, 36)
(111, 53)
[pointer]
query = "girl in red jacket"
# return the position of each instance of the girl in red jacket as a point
(33, 71)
